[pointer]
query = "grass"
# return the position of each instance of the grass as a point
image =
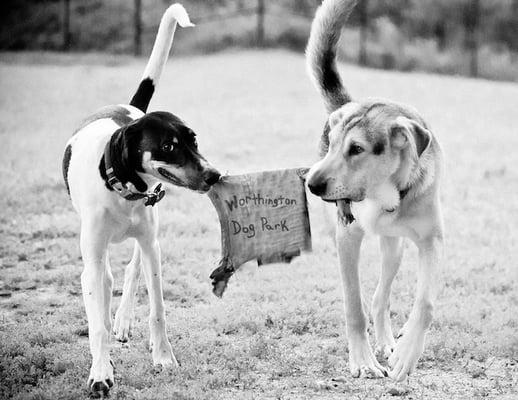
(279, 331)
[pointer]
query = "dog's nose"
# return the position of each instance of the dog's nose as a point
(212, 177)
(318, 188)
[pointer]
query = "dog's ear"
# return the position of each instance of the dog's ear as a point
(133, 128)
(127, 142)
(132, 132)
(407, 132)
(129, 134)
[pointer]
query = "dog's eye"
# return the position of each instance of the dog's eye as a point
(355, 149)
(168, 147)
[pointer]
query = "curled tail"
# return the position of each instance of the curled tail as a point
(163, 42)
(321, 51)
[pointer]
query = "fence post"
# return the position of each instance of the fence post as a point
(65, 25)
(260, 22)
(471, 23)
(364, 24)
(137, 21)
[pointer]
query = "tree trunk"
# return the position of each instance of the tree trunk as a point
(65, 24)
(471, 24)
(260, 22)
(364, 25)
(137, 40)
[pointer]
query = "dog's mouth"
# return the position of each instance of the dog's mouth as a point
(203, 188)
(170, 177)
(347, 200)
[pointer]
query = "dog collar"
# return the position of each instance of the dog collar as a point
(150, 198)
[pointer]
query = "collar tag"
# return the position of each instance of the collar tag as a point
(154, 195)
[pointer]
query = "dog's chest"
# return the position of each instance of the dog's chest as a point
(374, 219)
(129, 222)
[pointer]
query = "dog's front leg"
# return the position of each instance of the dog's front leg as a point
(124, 317)
(410, 345)
(96, 283)
(391, 254)
(361, 359)
(161, 349)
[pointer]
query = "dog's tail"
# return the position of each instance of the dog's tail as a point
(163, 42)
(321, 51)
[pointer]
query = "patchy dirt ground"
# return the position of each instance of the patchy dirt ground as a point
(279, 331)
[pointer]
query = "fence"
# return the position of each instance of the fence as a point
(471, 22)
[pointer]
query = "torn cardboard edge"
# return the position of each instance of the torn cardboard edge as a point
(263, 216)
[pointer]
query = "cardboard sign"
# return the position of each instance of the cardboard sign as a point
(263, 216)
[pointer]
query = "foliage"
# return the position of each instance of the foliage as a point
(24, 22)
(443, 25)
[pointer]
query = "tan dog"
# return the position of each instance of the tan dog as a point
(382, 167)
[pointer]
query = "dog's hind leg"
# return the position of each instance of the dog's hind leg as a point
(124, 317)
(108, 290)
(361, 358)
(96, 286)
(391, 254)
(410, 345)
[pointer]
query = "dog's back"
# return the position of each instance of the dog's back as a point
(119, 115)
(86, 145)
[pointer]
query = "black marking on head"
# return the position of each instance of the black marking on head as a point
(66, 162)
(118, 114)
(378, 148)
(143, 95)
(161, 134)
(168, 139)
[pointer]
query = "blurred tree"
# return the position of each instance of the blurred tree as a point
(415, 25)
(363, 13)
(137, 21)
(471, 24)
(65, 23)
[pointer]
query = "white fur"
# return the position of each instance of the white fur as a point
(108, 218)
(164, 40)
(135, 113)
(377, 210)
(417, 216)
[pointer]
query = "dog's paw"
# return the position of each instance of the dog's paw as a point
(122, 326)
(100, 380)
(403, 331)
(383, 352)
(162, 354)
(406, 354)
(362, 362)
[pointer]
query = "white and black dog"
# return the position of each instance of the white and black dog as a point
(113, 166)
